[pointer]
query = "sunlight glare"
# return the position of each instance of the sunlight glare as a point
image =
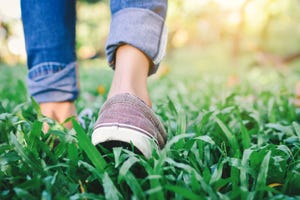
(16, 45)
(10, 9)
(231, 4)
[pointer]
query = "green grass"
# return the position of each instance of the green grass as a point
(224, 142)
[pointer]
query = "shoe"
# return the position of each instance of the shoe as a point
(125, 118)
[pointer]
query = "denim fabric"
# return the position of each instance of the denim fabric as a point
(139, 23)
(53, 82)
(49, 28)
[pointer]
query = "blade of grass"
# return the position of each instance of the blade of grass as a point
(181, 121)
(234, 147)
(217, 173)
(297, 129)
(243, 172)
(246, 141)
(117, 155)
(205, 187)
(31, 161)
(205, 138)
(92, 169)
(134, 185)
(156, 191)
(184, 192)
(172, 107)
(262, 176)
(126, 166)
(73, 152)
(87, 196)
(37, 108)
(271, 110)
(85, 144)
(34, 135)
(110, 190)
(23, 194)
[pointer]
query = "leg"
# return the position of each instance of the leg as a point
(131, 72)
(134, 48)
(49, 28)
(145, 45)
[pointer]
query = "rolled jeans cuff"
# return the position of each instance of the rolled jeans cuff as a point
(53, 82)
(141, 28)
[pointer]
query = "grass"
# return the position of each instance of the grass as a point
(232, 134)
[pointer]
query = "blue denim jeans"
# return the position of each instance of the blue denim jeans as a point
(49, 28)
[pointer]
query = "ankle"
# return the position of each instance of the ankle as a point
(131, 72)
(142, 94)
(58, 111)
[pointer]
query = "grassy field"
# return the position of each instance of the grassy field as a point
(233, 133)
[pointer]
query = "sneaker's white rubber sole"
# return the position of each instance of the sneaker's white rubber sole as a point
(116, 133)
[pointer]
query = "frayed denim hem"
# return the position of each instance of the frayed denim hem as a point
(141, 28)
(53, 82)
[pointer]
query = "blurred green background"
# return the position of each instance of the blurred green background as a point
(264, 32)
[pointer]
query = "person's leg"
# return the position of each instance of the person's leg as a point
(131, 72)
(49, 29)
(136, 44)
(135, 47)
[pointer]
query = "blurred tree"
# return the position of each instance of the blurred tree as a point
(279, 20)
(4, 34)
(237, 36)
(92, 28)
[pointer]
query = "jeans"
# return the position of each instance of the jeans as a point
(49, 29)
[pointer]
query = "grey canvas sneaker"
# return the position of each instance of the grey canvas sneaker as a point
(126, 118)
